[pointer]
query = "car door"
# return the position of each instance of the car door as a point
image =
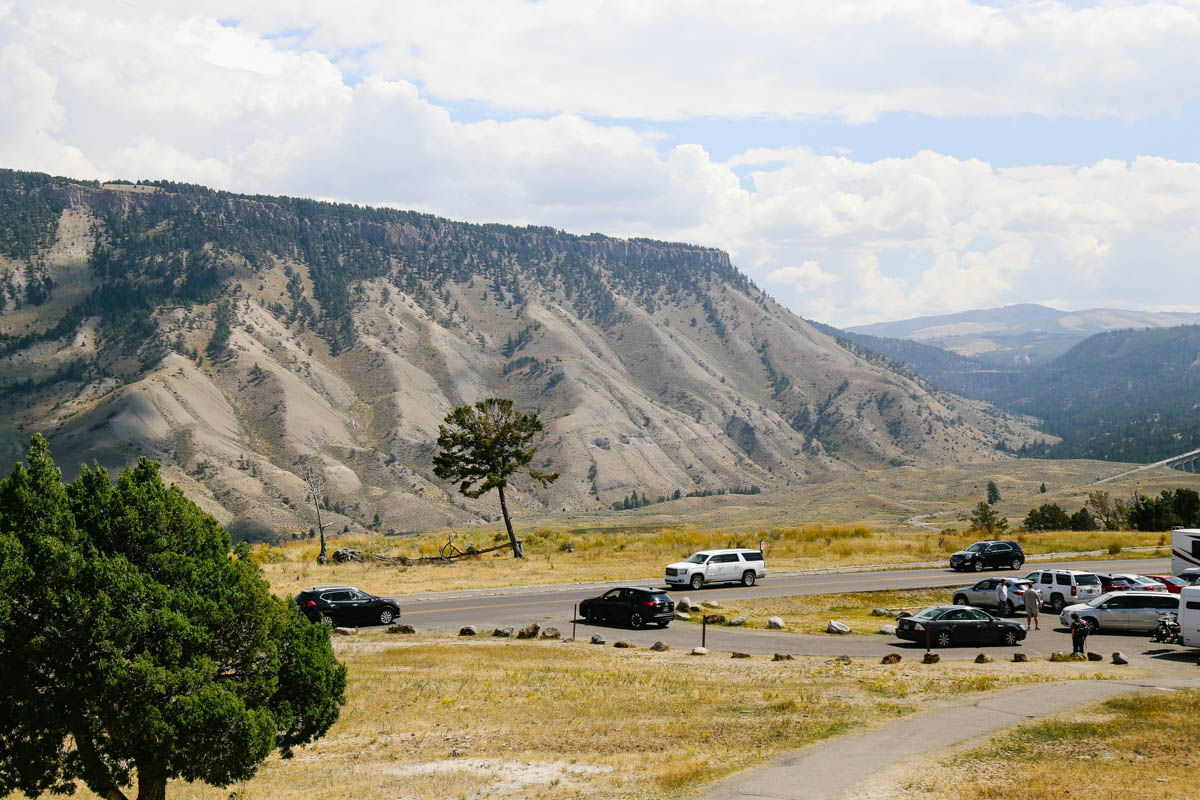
(339, 607)
(997, 555)
(366, 607)
(979, 626)
(1114, 613)
(983, 593)
(726, 566)
(608, 605)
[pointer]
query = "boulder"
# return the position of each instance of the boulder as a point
(983, 658)
(887, 630)
(738, 621)
(1094, 657)
(890, 658)
(345, 631)
(714, 619)
(551, 633)
(845, 659)
(401, 629)
(504, 631)
(699, 651)
(782, 657)
(529, 631)
(1059, 657)
(659, 647)
(736, 654)
(468, 630)
(833, 626)
(597, 639)
(1119, 658)
(682, 615)
(774, 623)
(931, 658)
(880, 612)
(685, 604)
(624, 645)
(1020, 658)
(711, 604)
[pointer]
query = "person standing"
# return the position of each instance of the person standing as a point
(1079, 634)
(1002, 598)
(1033, 604)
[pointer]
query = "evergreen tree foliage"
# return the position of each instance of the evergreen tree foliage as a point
(993, 493)
(985, 519)
(135, 646)
(1047, 517)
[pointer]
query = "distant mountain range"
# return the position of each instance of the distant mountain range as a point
(237, 338)
(1019, 335)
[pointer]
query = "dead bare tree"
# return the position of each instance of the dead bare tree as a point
(315, 484)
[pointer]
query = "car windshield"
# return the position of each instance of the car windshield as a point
(978, 547)
(1087, 580)
(699, 558)
(1173, 581)
(1104, 598)
(929, 613)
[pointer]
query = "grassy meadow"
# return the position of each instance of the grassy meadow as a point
(809, 613)
(563, 555)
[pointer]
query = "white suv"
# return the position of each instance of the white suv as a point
(1063, 587)
(718, 566)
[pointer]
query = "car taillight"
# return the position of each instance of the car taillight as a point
(310, 604)
(651, 603)
(1074, 590)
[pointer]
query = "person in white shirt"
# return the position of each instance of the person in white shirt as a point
(1002, 598)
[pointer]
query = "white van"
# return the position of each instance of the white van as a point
(1185, 549)
(1189, 615)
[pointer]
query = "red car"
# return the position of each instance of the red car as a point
(1172, 583)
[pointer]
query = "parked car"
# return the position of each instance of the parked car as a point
(1191, 575)
(1113, 583)
(1062, 587)
(1174, 585)
(1142, 583)
(991, 554)
(943, 626)
(718, 566)
(1122, 611)
(346, 606)
(984, 594)
(632, 605)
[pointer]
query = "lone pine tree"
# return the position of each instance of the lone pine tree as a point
(135, 646)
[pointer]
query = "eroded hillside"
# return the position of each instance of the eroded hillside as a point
(239, 338)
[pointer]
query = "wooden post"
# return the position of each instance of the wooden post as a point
(574, 616)
(703, 630)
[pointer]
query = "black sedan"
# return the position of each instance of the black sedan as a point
(634, 606)
(943, 626)
(346, 606)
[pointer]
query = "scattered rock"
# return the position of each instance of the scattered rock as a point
(468, 630)
(1119, 658)
(983, 658)
(401, 629)
(529, 631)
(551, 633)
(880, 612)
(845, 659)
(345, 631)
(714, 619)
(682, 615)
(738, 621)
(1020, 658)
(699, 651)
(833, 626)
(624, 645)
(458, 751)
(711, 604)
(774, 624)
(1094, 657)
(782, 657)
(887, 630)
(931, 658)
(504, 631)
(1059, 657)
(736, 654)
(602, 442)
(890, 658)
(685, 604)
(597, 639)
(659, 647)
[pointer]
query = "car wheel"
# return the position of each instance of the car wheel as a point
(943, 639)
(978, 565)
(1017, 563)
(1092, 625)
(748, 578)
(697, 581)
(386, 616)
(327, 620)
(1009, 637)
(1009, 608)
(635, 620)
(1057, 603)
(590, 616)
(961, 600)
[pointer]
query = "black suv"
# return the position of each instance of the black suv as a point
(992, 554)
(346, 606)
(633, 605)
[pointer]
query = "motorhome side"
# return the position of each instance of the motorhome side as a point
(1189, 615)
(1185, 549)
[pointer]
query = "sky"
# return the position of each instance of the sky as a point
(862, 161)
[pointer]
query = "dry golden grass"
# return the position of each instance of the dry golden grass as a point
(1132, 746)
(441, 717)
(560, 555)
(809, 613)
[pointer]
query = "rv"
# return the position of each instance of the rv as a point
(1185, 550)
(1189, 616)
